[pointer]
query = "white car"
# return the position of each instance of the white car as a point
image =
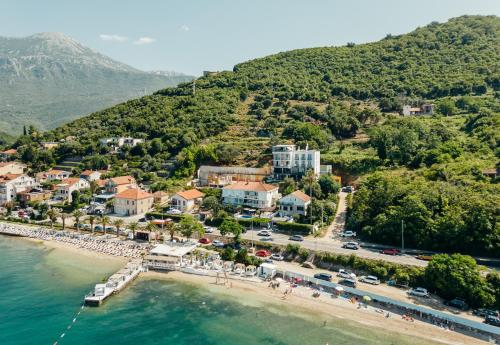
(277, 257)
(208, 229)
(419, 292)
(173, 211)
(265, 233)
(348, 234)
(345, 274)
(370, 280)
(217, 243)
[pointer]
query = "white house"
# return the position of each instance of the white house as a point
(288, 161)
(133, 201)
(186, 200)
(121, 141)
(425, 109)
(90, 175)
(55, 174)
(68, 186)
(12, 184)
(252, 194)
(294, 203)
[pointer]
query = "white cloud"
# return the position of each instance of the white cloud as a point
(145, 40)
(114, 38)
(184, 28)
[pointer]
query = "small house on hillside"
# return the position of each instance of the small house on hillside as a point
(424, 109)
(118, 184)
(57, 175)
(253, 194)
(8, 154)
(67, 186)
(294, 203)
(12, 168)
(160, 197)
(90, 175)
(186, 200)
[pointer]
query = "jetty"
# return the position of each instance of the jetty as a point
(115, 283)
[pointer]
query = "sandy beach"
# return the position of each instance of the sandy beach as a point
(324, 308)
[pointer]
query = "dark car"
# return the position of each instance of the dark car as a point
(323, 276)
(235, 246)
(348, 282)
(296, 238)
(492, 320)
(457, 303)
(485, 312)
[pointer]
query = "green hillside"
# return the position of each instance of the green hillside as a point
(424, 170)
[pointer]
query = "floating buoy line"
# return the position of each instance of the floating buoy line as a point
(68, 328)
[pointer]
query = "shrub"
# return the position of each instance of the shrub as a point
(295, 228)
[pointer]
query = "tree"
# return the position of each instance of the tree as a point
(212, 203)
(446, 107)
(75, 199)
(104, 220)
(94, 186)
(189, 226)
(118, 223)
(91, 220)
(53, 214)
(77, 214)
(133, 226)
(287, 186)
(231, 226)
(458, 275)
(171, 229)
(328, 185)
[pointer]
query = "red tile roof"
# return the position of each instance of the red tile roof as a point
(191, 194)
(301, 195)
(70, 181)
(251, 186)
(8, 177)
(133, 193)
(120, 180)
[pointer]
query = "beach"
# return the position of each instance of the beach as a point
(299, 303)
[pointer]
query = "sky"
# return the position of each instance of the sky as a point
(191, 36)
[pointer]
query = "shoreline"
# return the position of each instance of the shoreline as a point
(324, 308)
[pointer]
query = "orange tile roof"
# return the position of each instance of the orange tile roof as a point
(133, 193)
(251, 186)
(301, 195)
(159, 194)
(56, 171)
(191, 194)
(101, 183)
(119, 180)
(8, 177)
(4, 164)
(88, 172)
(70, 181)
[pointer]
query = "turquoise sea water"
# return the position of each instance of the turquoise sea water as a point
(41, 289)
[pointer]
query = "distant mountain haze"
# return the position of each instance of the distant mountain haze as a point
(48, 79)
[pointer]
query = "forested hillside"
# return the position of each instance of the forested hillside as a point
(426, 170)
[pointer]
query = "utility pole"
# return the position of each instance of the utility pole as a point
(402, 236)
(252, 232)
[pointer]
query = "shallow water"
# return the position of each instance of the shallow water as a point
(42, 289)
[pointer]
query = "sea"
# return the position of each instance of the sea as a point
(42, 289)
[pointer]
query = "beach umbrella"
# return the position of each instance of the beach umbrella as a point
(367, 298)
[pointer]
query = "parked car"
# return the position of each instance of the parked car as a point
(265, 233)
(348, 282)
(263, 253)
(173, 211)
(296, 238)
(323, 276)
(346, 274)
(348, 234)
(370, 280)
(390, 251)
(492, 320)
(277, 257)
(457, 303)
(218, 244)
(348, 189)
(98, 228)
(419, 292)
(204, 240)
(234, 245)
(208, 229)
(351, 245)
(485, 312)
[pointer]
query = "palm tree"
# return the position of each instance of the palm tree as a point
(104, 220)
(91, 220)
(53, 214)
(93, 187)
(150, 227)
(133, 227)
(77, 214)
(118, 223)
(63, 217)
(171, 229)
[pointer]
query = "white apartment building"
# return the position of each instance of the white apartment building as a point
(11, 184)
(251, 194)
(288, 160)
(68, 186)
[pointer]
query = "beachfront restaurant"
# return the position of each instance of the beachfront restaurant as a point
(169, 255)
